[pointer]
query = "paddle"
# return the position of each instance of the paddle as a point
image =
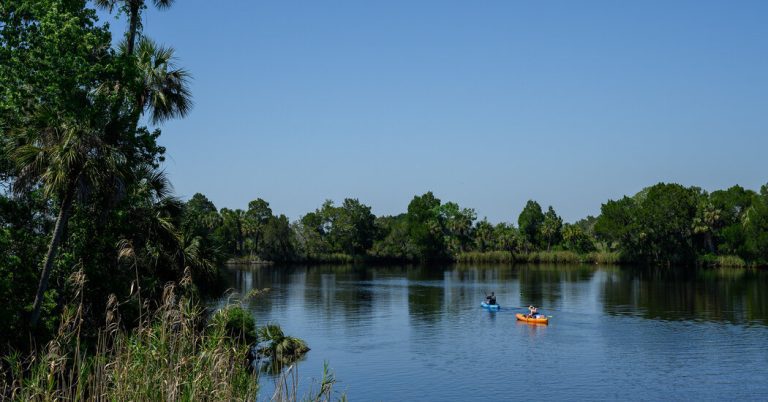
(490, 306)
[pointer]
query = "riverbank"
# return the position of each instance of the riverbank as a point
(178, 352)
(175, 354)
(500, 257)
(569, 257)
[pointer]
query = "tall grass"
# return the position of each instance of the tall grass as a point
(553, 257)
(488, 256)
(720, 261)
(603, 257)
(173, 355)
(541, 257)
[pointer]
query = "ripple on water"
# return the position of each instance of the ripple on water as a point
(617, 335)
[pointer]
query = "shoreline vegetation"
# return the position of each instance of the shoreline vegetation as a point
(178, 352)
(502, 257)
(662, 225)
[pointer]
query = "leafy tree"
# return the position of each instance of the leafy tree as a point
(530, 222)
(756, 227)
(666, 217)
(458, 226)
(61, 111)
(587, 225)
(730, 237)
(23, 240)
(256, 218)
(485, 236)
(425, 227)
(232, 230)
(507, 238)
(654, 226)
(200, 216)
(311, 235)
(392, 238)
(278, 240)
(551, 228)
(617, 222)
(708, 219)
(352, 227)
(576, 239)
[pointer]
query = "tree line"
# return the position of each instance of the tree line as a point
(664, 224)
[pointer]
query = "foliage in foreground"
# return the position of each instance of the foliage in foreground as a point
(175, 354)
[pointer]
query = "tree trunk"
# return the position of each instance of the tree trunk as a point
(240, 240)
(133, 26)
(708, 240)
(53, 248)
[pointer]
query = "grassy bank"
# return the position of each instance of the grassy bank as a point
(175, 354)
(547, 257)
(172, 355)
(722, 261)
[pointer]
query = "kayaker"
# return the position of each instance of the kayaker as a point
(491, 299)
(532, 311)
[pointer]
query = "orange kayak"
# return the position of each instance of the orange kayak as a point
(537, 320)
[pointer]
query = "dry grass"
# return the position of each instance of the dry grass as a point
(171, 356)
(174, 355)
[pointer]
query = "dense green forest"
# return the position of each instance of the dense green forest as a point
(663, 224)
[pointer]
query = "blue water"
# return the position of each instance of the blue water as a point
(419, 333)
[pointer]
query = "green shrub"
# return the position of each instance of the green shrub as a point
(236, 323)
(285, 349)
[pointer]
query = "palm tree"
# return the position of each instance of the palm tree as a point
(281, 349)
(154, 211)
(66, 158)
(707, 220)
(163, 88)
(133, 9)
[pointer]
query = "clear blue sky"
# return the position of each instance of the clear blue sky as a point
(487, 104)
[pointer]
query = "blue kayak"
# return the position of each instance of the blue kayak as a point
(490, 306)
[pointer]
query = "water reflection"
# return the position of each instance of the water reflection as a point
(430, 292)
(680, 294)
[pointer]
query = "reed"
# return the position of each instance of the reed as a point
(175, 354)
(722, 261)
(603, 257)
(486, 257)
(553, 257)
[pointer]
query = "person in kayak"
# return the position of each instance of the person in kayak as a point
(532, 311)
(491, 300)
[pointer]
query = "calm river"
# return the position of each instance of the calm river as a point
(419, 334)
